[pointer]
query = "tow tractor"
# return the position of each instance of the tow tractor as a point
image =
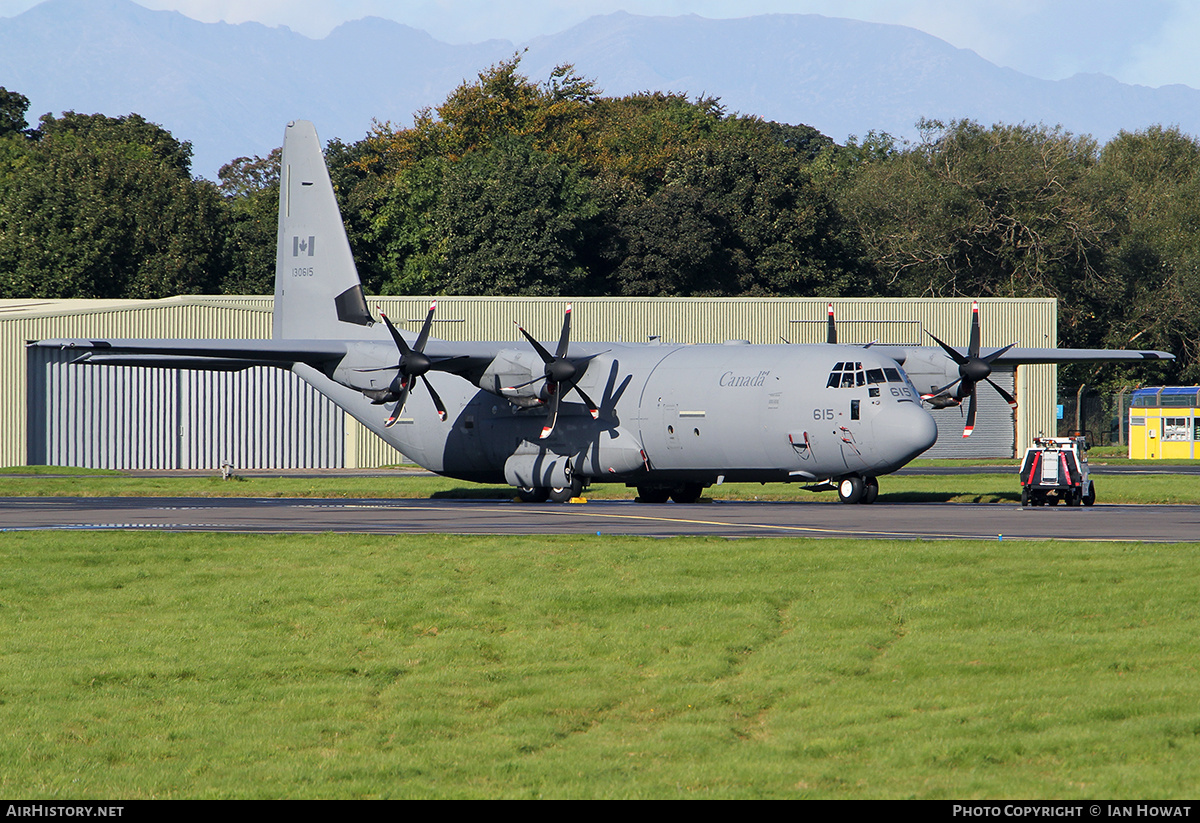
(1056, 469)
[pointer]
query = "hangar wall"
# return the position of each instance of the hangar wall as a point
(58, 405)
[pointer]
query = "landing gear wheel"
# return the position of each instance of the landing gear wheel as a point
(850, 489)
(565, 493)
(687, 493)
(652, 494)
(870, 490)
(532, 494)
(1090, 497)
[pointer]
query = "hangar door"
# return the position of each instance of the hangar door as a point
(126, 417)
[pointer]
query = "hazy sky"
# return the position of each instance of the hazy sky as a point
(1151, 42)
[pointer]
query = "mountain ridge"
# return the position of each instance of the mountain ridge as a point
(229, 89)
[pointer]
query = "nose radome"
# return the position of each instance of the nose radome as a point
(902, 432)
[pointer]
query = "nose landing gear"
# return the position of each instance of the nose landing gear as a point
(857, 489)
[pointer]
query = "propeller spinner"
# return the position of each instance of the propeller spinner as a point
(971, 370)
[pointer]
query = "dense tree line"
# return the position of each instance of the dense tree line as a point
(513, 187)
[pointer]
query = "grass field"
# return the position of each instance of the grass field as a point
(1002, 487)
(169, 665)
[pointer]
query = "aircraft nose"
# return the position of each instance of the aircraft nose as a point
(903, 432)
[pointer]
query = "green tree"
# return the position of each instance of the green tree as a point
(510, 220)
(13, 106)
(104, 207)
(1011, 211)
(1153, 177)
(249, 191)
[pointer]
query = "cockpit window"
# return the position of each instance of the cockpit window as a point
(849, 375)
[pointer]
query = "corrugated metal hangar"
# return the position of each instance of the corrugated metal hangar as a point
(59, 413)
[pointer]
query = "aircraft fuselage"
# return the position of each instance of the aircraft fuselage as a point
(667, 414)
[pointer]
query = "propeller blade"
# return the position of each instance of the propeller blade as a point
(1008, 398)
(538, 347)
(437, 400)
(423, 337)
(970, 427)
(523, 385)
(953, 353)
(973, 346)
(552, 417)
(391, 421)
(991, 358)
(831, 327)
(564, 338)
(936, 392)
(593, 409)
(400, 344)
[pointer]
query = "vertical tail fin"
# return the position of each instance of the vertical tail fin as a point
(317, 291)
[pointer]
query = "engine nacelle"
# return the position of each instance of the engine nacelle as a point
(532, 467)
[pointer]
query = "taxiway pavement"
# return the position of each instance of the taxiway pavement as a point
(719, 518)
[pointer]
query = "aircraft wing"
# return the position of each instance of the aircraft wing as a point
(466, 359)
(1018, 356)
(202, 354)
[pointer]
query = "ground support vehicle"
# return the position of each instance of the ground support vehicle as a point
(1055, 469)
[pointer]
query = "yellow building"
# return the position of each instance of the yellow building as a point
(1164, 423)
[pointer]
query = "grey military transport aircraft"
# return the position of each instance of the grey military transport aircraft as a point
(670, 420)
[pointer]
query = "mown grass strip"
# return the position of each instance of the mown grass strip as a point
(173, 665)
(972, 488)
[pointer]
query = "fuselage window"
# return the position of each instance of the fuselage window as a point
(893, 375)
(875, 376)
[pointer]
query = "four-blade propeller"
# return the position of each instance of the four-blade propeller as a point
(971, 370)
(561, 374)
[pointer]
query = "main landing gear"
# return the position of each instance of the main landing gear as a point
(857, 489)
(540, 494)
